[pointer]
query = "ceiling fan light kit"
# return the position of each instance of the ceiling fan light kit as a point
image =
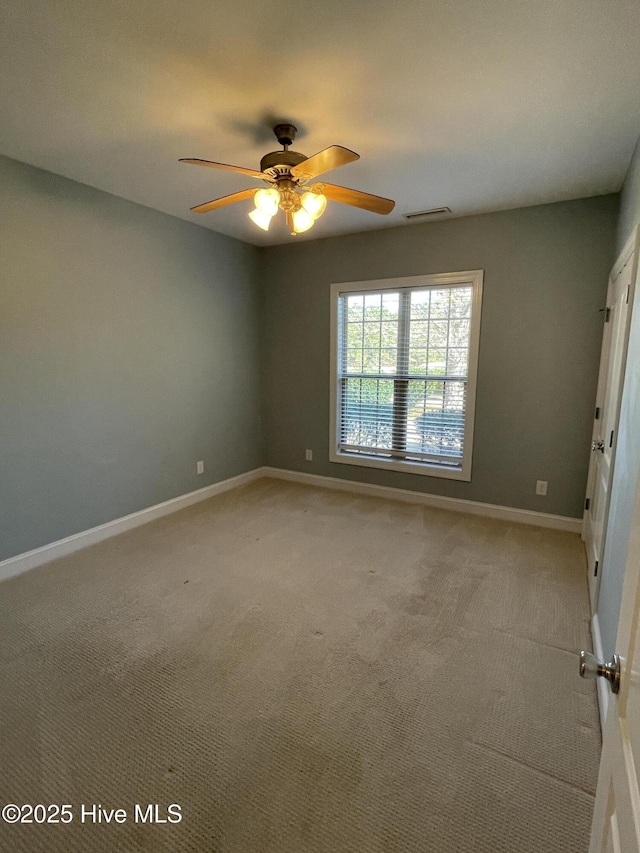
(261, 219)
(288, 173)
(314, 202)
(267, 201)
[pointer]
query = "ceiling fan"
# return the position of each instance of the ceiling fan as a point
(288, 173)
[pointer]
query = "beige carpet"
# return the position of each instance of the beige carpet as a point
(304, 670)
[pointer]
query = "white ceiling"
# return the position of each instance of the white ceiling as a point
(478, 105)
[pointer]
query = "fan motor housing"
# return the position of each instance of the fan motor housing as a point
(285, 159)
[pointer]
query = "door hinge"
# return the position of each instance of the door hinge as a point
(597, 413)
(595, 571)
(628, 290)
(587, 503)
(611, 439)
(607, 314)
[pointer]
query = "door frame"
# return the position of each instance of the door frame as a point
(604, 690)
(632, 245)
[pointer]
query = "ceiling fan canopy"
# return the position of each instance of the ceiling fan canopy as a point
(287, 173)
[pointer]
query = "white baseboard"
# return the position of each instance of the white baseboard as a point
(604, 690)
(31, 559)
(506, 513)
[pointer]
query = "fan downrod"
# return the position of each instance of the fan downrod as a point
(277, 164)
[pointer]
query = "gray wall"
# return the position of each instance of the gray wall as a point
(128, 351)
(545, 280)
(629, 201)
(627, 466)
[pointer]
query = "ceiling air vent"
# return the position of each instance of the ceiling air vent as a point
(436, 211)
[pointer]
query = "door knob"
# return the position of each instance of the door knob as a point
(591, 667)
(598, 445)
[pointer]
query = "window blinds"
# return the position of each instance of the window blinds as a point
(403, 362)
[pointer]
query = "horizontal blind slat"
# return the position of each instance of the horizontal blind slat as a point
(417, 377)
(388, 452)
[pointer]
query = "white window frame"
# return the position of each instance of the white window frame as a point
(473, 278)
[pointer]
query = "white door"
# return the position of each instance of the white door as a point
(607, 411)
(616, 819)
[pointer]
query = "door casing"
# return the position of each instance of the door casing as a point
(620, 293)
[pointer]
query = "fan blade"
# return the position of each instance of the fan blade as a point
(223, 202)
(252, 173)
(366, 201)
(330, 158)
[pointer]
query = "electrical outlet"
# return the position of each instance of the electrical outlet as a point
(200, 467)
(541, 487)
(308, 455)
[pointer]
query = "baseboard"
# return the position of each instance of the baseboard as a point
(31, 559)
(604, 691)
(583, 526)
(506, 513)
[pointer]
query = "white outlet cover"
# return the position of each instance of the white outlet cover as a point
(541, 487)
(308, 455)
(200, 468)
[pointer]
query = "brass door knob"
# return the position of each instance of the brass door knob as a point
(591, 667)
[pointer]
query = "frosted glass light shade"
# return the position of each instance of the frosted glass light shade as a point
(262, 219)
(314, 203)
(267, 201)
(302, 220)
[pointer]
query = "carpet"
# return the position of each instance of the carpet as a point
(302, 671)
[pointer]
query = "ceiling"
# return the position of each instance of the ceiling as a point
(477, 105)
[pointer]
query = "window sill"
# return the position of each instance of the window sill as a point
(421, 468)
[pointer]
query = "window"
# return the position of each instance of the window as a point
(404, 356)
